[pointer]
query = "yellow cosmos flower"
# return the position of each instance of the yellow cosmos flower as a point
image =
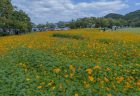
(91, 78)
(119, 79)
(106, 79)
(108, 69)
(51, 83)
(89, 71)
(96, 67)
(30, 46)
(72, 68)
(76, 94)
(71, 75)
(108, 89)
(28, 79)
(43, 83)
(138, 83)
(130, 79)
(24, 66)
(57, 70)
(109, 94)
(127, 85)
(39, 87)
(66, 76)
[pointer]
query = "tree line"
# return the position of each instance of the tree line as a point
(93, 22)
(131, 19)
(12, 20)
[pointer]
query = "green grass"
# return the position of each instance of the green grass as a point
(134, 30)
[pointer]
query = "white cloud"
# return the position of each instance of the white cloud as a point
(54, 10)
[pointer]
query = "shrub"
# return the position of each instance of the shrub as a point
(3, 34)
(69, 36)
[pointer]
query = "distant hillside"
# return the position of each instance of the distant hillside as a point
(129, 16)
(133, 15)
(114, 16)
(132, 18)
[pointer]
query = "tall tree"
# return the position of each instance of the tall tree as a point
(6, 8)
(21, 17)
(13, 19)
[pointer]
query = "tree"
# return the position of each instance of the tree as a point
(22, 17)
(6, 8)
(61, 24)
(13, 19)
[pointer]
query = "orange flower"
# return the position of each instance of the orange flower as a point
(127, 85)
(138, 83)
(29, 46)
(91, 78)
(119, 79)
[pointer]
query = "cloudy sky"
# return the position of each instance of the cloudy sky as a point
(42, 11)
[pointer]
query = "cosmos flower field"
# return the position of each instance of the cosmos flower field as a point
(82, 62)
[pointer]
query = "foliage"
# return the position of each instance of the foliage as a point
(105, 40)
(133, 18)
(6, 8)
(11, 18)
(38, 64)
(133, 15)
(3, 34)
(96, 22)
(67, 36)
(61, 24)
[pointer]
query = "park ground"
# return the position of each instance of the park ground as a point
(82, 62)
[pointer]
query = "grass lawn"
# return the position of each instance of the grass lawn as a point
(135, 30)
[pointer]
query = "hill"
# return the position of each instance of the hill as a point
(128, 16)
(114, 16)
(133, 15)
